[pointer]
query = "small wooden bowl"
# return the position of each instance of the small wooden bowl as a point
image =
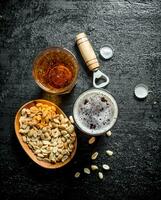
(25, 145)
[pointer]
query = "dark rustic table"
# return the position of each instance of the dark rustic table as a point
(133, 29)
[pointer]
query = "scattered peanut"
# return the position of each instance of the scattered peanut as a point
(71, 119)
(77, 175)
(105, 167)
(87, 171)
(94, 156)
(109, 153)
(109, 133)
(91, 140)
(100, 175)
(48, 134)
(94, 167)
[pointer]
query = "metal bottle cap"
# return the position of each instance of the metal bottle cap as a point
(141, 91)
(106, 52)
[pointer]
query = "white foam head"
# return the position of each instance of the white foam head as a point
(95, 111)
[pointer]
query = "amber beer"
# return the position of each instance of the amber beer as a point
(55, 70)
(95, 111)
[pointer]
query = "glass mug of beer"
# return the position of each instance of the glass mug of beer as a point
(95, 112)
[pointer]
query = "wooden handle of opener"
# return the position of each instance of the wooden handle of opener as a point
(87, 51)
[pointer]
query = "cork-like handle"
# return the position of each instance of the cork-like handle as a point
(87, 51)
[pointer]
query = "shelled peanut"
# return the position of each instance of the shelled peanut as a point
(49, 135)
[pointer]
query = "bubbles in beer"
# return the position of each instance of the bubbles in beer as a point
(94, 111)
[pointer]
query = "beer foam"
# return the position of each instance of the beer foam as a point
(95, 111)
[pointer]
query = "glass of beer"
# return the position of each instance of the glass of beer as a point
(95, 111)
(55, 70)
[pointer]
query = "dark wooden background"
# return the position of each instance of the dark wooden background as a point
(133, 28)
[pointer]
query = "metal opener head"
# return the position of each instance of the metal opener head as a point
(101, 76)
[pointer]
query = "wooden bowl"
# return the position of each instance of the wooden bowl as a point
(25, 145)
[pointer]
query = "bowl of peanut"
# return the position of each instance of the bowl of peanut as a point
(45, 133)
